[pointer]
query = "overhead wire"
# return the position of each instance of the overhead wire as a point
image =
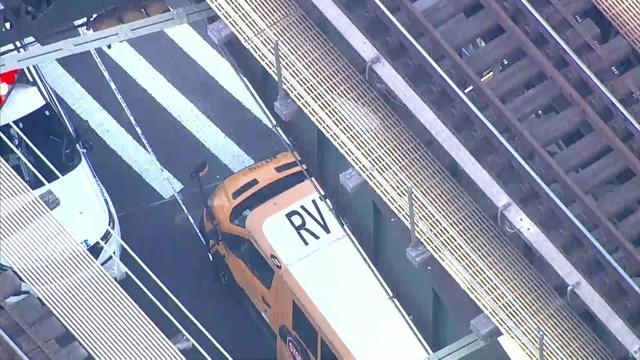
(118, 238)
(146, 144)
(178, 198)
(289, 146)
(69, 281)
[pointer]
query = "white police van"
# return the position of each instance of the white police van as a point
(41, 147)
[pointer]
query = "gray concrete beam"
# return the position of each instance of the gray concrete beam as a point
(41, 54)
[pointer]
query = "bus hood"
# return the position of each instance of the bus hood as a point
(82, 210)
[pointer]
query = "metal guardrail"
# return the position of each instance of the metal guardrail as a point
(390, 158)
(85, 42)
(82, 295)
(17, 352)
(528, 230)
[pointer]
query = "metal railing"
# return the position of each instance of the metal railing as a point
(82, 295)
(390, 158)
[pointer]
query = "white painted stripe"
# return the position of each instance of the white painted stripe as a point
(109, 130)
(7, 47)
(214, 64)
(178, 106)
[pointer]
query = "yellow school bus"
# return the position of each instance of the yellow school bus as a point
(273, 235)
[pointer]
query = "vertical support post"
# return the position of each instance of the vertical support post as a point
(284, 106)
(412, 220)
(276, 51)
(540, 344)
(416, 252)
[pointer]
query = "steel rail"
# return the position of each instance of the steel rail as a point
(41, 54)
(528, 138)
(551, 34)
(390, 158)
(554, 74)
(528, 230)
(13, 346)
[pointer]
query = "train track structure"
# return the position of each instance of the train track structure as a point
(560, 84)
(371, 136)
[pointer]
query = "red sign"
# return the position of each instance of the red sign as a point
(294, 349)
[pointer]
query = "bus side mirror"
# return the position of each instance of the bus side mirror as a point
(213, 234)
(201, 170)
(198, 173)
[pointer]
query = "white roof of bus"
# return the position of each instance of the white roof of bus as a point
(334, 275)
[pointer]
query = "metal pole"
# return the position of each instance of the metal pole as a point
(541, 344)
(278, 69)
(412, 220)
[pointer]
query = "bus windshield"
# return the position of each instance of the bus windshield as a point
(243, 209)
(49, 135)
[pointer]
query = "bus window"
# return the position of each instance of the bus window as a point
(233, 242)
(244, 188)
(286, 166)
(250, 256)
(241, 211)
(305, 331)
(325, 352)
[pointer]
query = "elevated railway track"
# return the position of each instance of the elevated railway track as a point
(359, 123)
(558, 82)
(580, 137)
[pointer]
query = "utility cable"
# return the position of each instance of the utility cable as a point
(287, 143)
(130, 251)
(169, 294)
(178, 198)
(127, 111)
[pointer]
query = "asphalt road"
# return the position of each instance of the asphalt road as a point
(153, 225)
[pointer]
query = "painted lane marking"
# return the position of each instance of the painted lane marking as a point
(179, 106)
(216, 65)
(109, 130)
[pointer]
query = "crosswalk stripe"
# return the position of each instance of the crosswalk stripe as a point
(109, 130)
(179, 106)
(213, 63)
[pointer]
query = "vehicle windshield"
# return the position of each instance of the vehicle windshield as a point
(50, 136)
(243, 209)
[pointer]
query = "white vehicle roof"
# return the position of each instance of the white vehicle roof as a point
(22, 100)
(335, 276)
(82, 209)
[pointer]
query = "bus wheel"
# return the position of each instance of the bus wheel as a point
(260, 321)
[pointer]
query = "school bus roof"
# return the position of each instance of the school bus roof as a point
(329, 275)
